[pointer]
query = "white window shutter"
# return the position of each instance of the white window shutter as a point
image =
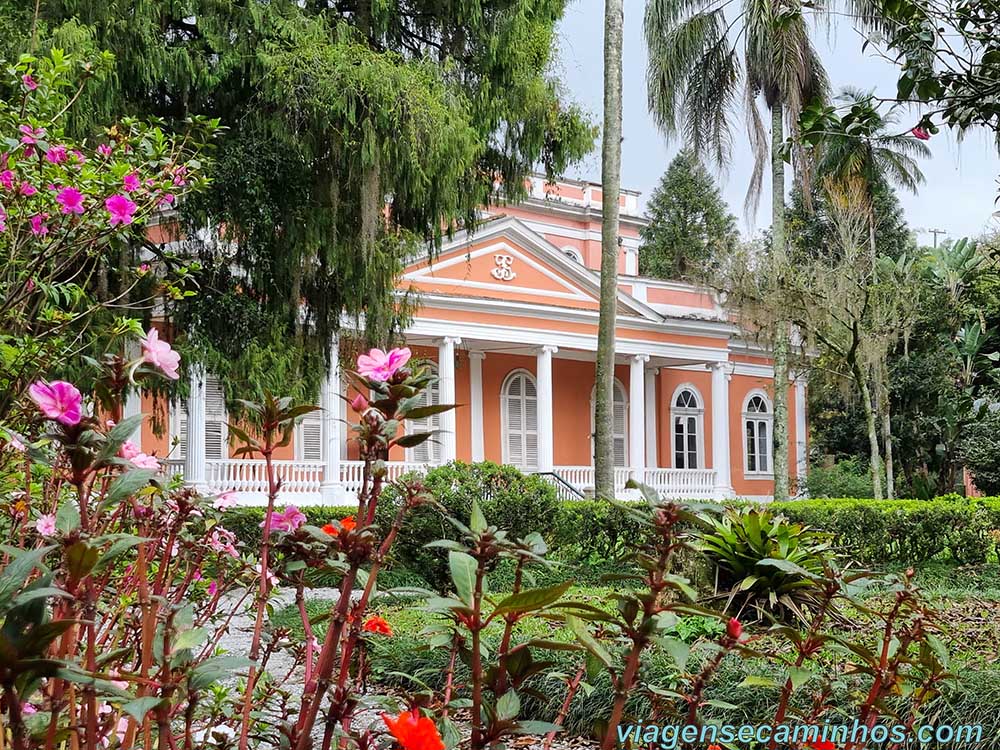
(309, 437)
(520, 401)
(620, 413)
(216, 420)
(429, 451)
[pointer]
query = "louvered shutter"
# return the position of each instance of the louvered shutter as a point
(429, 451)
(520, 401)
(309, 439)
(179, 429)
(216, 419)
(620, 426)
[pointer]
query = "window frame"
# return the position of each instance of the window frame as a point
(433, 445)
(698, 412)
(767, 418)
(505, 419)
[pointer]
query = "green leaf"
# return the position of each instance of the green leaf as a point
(508, 705)
(531, 600)
(188, 639)
(138, 708)
(216, 669)
(587, 640)
(67, 517)
(759, 681)
(477, 521)
(463, 574)
(678, 650)
(799, 676)
(536, 727)
(128, 484)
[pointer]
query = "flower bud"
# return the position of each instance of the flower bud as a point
(359, 403)
(734, 628)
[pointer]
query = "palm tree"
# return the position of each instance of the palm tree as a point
(611, 173)
(703, 68)
(867, 151)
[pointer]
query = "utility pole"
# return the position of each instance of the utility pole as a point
(936, 232)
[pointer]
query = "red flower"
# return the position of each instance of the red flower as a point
(714, 747)
(413, 731)
(377, 624)
(921, 134)
(359, 403)
(346, 524)
(822, 745)
(734, 628)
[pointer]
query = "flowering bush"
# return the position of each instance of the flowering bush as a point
(72, 216)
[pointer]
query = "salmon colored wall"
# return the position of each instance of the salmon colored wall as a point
(739, 387)
(668, 381)
(156, 411)
(496, 367)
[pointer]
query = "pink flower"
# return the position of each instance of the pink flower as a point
(143, 269)
(129, 450)
(78, 156)
(272, 579)
(29, 83)
(212, 588)
(143, 461)
(71, 200)
(46, 525)
(27, 189)
(27, 709)
(3, 219)
(288, 520)
(38, 227)
(58, 400)
(225, 500)
(30, 135)
(381, 366)
(222, 540)
(120, 208)
(7, 179)
(114, 674)
(921, 134)
(104, 149)
(131, 182)
(14, 442)
(159, 354)
(166, 201)
(56, 154)
(359, 403)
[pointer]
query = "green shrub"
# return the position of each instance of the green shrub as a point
(245, 521)
(519, 503)
(875, 532)
(846, 478)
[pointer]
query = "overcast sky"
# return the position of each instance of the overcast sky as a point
(961, 185)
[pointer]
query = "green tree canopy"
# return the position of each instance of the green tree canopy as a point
(357, 132)
(690, 226)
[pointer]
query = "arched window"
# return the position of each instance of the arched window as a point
(573, 253)
(429, 451)
(519, 420)
(688, 431)
(619, 420)
(757, 419)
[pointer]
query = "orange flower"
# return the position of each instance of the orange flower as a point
(413, 731)
(346, 524)
(714, 747)
(822, 745)
(378, 625)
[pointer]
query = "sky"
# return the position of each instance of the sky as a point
(961, 178)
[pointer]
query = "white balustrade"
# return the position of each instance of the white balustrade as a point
(682, 483)
(352, 473)
(244, 475)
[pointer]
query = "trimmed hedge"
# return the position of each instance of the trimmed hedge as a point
(904, 531)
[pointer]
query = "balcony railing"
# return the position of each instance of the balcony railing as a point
(304, 478)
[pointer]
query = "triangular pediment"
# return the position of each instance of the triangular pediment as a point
(505, 260)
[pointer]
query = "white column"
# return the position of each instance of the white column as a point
(801, 459)
(446, 386)
(637, 416)
(720, 431)
(476, 404)
(194, 445)
(543, 375)
(331, 489)
(651, 442)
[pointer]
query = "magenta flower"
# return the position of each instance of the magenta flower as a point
(921, 134)
(71, 200)
(3, 220)
(143, 461)
(104, 149)
(288, 520)
(27, 189)
(78, 155)
(38, 227)
(30, 135)
(159, 354)
(166, 201)
(131, 182)
(212, 588)
(7, 179)
(120, 208)
(381, 366)
(225, 500)
(56, 154)
(46, 525)
(29, 83)
(57, 400)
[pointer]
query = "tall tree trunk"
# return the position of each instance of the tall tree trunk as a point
(875, 458)
(781, 327)
(611, 166)
(890, 479)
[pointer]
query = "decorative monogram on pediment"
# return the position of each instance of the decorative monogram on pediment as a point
(503, 270)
